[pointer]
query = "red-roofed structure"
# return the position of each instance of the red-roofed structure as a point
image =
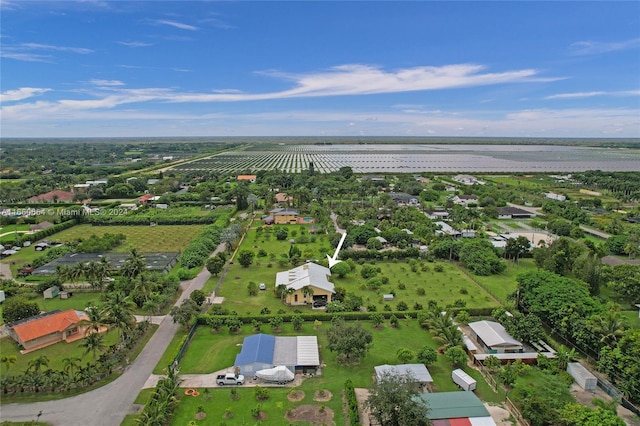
(52, 196)
(146, 198)
(47, 329)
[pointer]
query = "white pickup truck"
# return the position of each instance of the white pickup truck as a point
(229, 379)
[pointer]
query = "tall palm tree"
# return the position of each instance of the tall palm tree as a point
(118, 312)
(64, 273)
(70, 364)
(94, 342)
(96, 320)
(143, 286)
(134, 265)
(37, 363)
(307, 292)
(76, 272)
(449, 336)
(609, 327)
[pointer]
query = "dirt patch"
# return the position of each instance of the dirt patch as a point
(201, 416)
(295, 396)
(322, 395)
(310, 414)
(261, 416)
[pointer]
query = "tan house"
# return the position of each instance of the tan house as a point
(47, 329)
(284, 216)
(310, 275)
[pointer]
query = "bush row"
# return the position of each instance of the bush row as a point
(137, 221)
(199, 249)
(47, 232)
(352, 403)
(349, 316)
(381, 255)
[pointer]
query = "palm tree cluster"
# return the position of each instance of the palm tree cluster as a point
(442, 326)
(162, 402)
(75, 374)
(94, 272)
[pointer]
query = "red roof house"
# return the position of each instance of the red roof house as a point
(52, 196)
(48, 328)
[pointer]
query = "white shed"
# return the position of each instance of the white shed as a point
(582, 376)
(51, 292)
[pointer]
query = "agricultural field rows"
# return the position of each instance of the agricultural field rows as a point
(418, 158)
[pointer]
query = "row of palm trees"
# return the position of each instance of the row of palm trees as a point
(97, 272)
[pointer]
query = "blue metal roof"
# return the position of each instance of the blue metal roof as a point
(256, 348)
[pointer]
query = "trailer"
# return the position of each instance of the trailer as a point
(582, 376)
(462, 379)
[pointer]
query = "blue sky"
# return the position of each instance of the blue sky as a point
(162, 68)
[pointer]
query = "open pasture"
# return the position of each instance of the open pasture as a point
(161, 238)
(381, 158)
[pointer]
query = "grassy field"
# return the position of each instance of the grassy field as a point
(444, 287)
(211, 352)
(143, 238)
(500, 286)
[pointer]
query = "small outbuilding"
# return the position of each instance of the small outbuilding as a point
(582, 376)
(417, 371)
(456, 408)
(51, 292)
(494, 338)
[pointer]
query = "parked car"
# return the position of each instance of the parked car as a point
(320, 303)
(262, 286)
(229, 379)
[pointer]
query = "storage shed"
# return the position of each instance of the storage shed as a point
(51, 292)
(456, 408)
(417, 371)
(493, 337)
(582, 376)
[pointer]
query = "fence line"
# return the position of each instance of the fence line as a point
(516, 413)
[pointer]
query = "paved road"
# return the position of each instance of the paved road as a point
(108, 405)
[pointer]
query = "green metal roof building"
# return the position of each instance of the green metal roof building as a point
(451, 405)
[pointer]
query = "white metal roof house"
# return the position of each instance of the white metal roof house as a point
(417, 371)
(493, 337)
(308, 275)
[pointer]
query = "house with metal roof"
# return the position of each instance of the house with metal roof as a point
(416, 371)
(494, 338)
(456, 408)
(311, 276)
(263, 351)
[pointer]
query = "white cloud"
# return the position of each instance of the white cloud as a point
(21, 93)
(595, 47)
(26, 57)
(110, 83)
(38, 46)
(591, 94)
(175, 24)
(135, 43)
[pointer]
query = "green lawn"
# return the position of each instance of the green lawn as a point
(505, 283)
(143, 238)
(211, 352)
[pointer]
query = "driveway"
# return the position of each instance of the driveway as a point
(108, 405)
